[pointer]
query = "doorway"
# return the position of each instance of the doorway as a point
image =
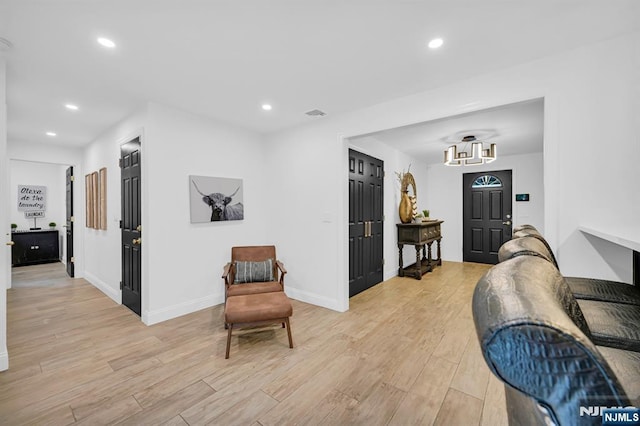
(130, 224)
(487, 223)
(42, 236)
(366, 201)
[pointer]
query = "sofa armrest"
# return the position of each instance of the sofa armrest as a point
(528, 326)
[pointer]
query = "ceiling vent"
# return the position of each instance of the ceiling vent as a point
(315, 113)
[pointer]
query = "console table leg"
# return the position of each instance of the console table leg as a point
(418, 263)
(439, 256)
(400, 268)
(424, 252)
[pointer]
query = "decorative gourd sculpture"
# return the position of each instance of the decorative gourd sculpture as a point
(407, 209)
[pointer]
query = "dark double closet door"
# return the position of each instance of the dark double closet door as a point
(366, 178)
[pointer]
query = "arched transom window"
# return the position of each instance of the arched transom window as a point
(487, 181)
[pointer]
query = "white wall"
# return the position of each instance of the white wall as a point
(52, 176)
(102, 252)
(446, 182)
(181, 262)
(591, 99)
(185, 260)
(5, 268)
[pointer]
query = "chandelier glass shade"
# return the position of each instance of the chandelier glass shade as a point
(477, 155)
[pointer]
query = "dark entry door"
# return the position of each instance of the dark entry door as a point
(366, 178)
(69, 237)
(486, 214)
(131, 225)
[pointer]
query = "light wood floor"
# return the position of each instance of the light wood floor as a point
(405, 353)
(43, 275)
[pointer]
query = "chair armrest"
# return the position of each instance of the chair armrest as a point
(226, 271)
(280, 266)
(283, 271)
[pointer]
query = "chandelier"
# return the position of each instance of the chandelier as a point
(478, 154)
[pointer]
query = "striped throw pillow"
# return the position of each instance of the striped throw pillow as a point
(250, 272)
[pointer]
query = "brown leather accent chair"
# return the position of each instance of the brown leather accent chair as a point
(253, 254)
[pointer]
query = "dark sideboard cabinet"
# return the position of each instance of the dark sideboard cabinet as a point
(421, 235)
(33, 247)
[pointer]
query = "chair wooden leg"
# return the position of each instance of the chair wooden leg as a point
(289, 332)
(229, 341)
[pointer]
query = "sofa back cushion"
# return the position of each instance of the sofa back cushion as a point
(525, 246)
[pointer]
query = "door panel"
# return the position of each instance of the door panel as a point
(476, 240)
(496, 210)
(131, 225)
(476, 206)
(497, 239)
(366, 177)
(69, 229)
(486, 214)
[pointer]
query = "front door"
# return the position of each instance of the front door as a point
(366, 178)
(69, 238)
(486, 215)
(131, 225)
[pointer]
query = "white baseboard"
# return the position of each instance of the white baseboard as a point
(312, 298)
(4, 360)
(184, 308)
(115, 295)
(390, 273)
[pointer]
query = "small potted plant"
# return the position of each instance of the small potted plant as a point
(52, 225)
(14, 226)
(425, 214)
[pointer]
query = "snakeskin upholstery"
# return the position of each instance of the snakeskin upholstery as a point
(582, 288)
(534, 338)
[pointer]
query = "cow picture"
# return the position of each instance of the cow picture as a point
(215, 199)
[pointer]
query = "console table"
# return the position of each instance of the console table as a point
(421, 235)
(32, 247)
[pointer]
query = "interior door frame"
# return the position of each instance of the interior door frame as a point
(69, 252)
(142, 289)
(375, 227)
(507, 207)
(78, 207)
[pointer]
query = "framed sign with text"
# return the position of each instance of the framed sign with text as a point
(32, 198)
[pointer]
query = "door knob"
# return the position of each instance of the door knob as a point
(508, 223)
(10, 243)
(136, 241)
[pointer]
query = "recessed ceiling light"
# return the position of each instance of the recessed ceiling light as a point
(51, 134)
(267, 107)
(106, 42)
(72, 107)
(435, 43)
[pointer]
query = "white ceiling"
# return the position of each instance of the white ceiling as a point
(515, 129)
(224, 58)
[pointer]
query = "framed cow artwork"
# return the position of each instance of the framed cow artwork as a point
(215, 199)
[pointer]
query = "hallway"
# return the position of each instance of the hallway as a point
(405, 353)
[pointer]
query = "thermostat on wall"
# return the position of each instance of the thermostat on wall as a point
(522, 197)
